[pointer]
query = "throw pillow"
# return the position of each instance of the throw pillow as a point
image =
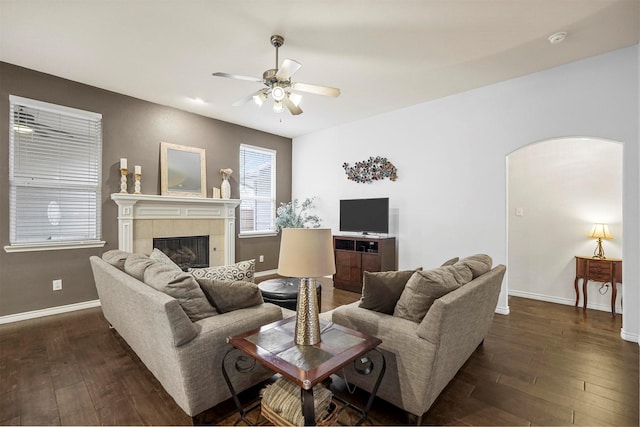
(243, 270)
(381, 290)
(136, 264)
(228, 296)
(424, 287)
(479, 264)
(181, 286)
(116, 258)
(159, 256)
(450, 262)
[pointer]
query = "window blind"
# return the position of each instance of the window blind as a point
(257, 189)
(55, 157)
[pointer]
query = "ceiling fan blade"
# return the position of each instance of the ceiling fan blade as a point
(237, 77)
(318, 90)
(289, 66)
(248, 98)
(293, 108)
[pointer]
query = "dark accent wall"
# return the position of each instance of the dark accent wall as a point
(132, 128)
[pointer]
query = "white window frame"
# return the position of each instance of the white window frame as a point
(18, 180)
(272, 198)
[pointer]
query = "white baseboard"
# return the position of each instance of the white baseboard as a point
(11, 318)
(560, 300)
(503, 310)
(265, 273)
(629, 337)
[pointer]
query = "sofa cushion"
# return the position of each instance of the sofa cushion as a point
(243, 270)
(424, 287)
(136, 264)
(116, 258)
(159, 256)
(479, 264)
(381, 290)
(181, 286)
(228, 296)
(450, 261)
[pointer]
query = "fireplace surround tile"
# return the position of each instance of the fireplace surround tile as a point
(143, 229)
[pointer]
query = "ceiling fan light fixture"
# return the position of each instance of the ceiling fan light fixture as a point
(259, 99)
(278, 107)
(278, 83)
(278, 93)
(295, 98)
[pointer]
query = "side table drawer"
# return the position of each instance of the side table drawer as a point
(596, 267)
(600, 271)
(600, 277)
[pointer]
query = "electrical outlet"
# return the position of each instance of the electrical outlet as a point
(261, 258)
(57, 285)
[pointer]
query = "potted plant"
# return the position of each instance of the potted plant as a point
(296, 215)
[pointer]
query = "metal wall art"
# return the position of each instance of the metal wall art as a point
(373, 169)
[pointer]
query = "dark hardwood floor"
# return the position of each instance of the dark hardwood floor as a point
(544, 364)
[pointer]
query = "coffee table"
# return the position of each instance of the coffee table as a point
(272, 345)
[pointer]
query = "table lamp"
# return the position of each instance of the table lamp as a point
(306, 253)
(600, 231)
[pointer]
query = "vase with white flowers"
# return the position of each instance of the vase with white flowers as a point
(225, 187)
(296, 215)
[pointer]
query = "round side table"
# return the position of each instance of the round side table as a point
(283, 291)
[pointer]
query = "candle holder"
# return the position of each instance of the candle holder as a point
(123, 180)
(137, 183)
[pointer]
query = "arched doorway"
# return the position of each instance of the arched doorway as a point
(556, 190)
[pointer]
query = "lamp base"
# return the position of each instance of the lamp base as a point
(307, 320)
(599, 251)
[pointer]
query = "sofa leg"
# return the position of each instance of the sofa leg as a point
(415, 420)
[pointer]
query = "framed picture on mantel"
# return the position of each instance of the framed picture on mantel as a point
(182, 171)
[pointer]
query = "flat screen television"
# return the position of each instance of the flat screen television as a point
(365, 215)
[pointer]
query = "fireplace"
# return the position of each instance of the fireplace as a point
(187, 252)
(143, 217)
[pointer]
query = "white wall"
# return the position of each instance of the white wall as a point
(450, 197)
(562, 186)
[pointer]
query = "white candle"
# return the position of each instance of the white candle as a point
(138, 170)
(123, 163)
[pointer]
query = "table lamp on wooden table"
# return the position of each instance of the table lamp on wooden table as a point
(306, 253)
(600, 231)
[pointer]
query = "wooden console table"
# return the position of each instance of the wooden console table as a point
(607, 270)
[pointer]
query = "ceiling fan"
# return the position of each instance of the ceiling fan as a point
(279, 85)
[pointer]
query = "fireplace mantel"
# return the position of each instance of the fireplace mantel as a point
(134, 207)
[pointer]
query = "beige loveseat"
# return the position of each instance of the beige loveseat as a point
(185, 356)
(422, 357)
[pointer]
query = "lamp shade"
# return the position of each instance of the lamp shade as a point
(600, 231)
(306, 252)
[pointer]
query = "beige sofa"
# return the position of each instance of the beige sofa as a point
(423, 357)
(185, 356)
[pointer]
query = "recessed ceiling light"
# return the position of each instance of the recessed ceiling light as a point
(199, 100)
(558, 37)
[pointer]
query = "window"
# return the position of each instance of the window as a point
(257, 190)
(55, 157)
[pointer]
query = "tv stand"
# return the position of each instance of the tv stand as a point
(356, 254)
